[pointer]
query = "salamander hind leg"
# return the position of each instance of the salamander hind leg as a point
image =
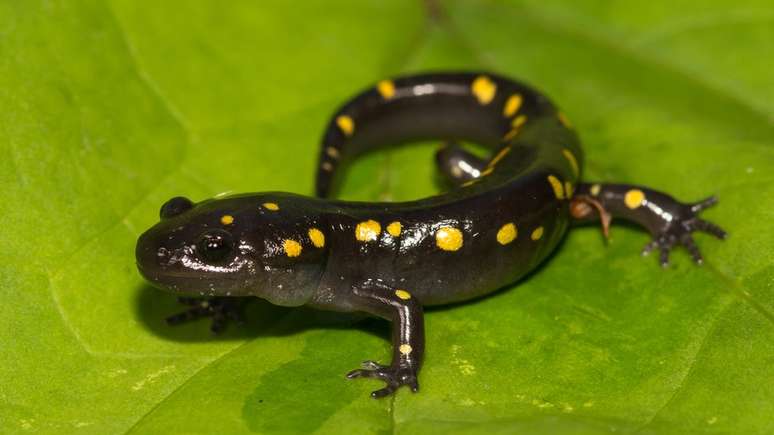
(670, 222)
(220, 309)
(408, 339)
(680, 232)
(458, 165)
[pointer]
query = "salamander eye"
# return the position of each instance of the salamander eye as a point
(215, 245)
(175, 206)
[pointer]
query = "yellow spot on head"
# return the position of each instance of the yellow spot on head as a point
(496, 159)
(557, 186)
(634, 198)
(332, 152)
(595, 189)
(227, 219)
(270, 206)
(573, 163)
(386, 88)
(448, 238)
(537, 234)
(405, 349)
(563, 119)
(317, 237)
(367, 231)
(346, 124)
(507, 234)
(515, 127)
(291, 247)
(327, 166)
(512, 105)
(484, 89)
(403, 294)
(394, 228)
(568, 189)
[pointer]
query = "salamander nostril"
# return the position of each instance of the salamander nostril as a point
(175, 206)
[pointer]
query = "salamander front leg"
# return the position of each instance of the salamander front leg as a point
(408, 338)
(669, 221)
(220, 309)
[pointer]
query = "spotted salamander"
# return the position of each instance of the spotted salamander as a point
(502, 216)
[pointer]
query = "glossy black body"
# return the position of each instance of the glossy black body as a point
(502, 218)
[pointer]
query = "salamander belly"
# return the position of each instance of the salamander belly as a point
(461, 250)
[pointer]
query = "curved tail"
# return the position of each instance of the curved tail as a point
(478, 107)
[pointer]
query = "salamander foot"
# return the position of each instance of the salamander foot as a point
(394, 376)
(680, 230)
(220, 309)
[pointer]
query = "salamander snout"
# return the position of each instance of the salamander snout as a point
(259, 244)
(147, 256)
(200, 260)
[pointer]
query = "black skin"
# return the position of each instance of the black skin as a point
(502, 217)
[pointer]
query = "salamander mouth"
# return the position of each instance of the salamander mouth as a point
(177, 281)
(157, 277)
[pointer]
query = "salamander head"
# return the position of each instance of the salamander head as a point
(265, 245)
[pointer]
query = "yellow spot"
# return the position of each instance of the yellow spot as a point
(227, 219)
(386, 88)
(317, 237)
(486, 171)
(568, 189)
(403, 294)
(327, 166)
(394, 228)
(515, 126)
(557, 186)
(573, 163)
(507, 234)
(563, 119)
(346, 124)
(484, 89)
(332, 152)
(270, 206)
(368, 231)
(537, 234)
(634, 198)
(512, 105)
(496, 159)
(292, 248)
(405, 349)
(595, 189)
(448, 238)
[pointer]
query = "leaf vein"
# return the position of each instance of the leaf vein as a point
(689, 370)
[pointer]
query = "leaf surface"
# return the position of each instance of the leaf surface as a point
(110, 108)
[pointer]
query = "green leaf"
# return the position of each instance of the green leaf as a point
(110, 108)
